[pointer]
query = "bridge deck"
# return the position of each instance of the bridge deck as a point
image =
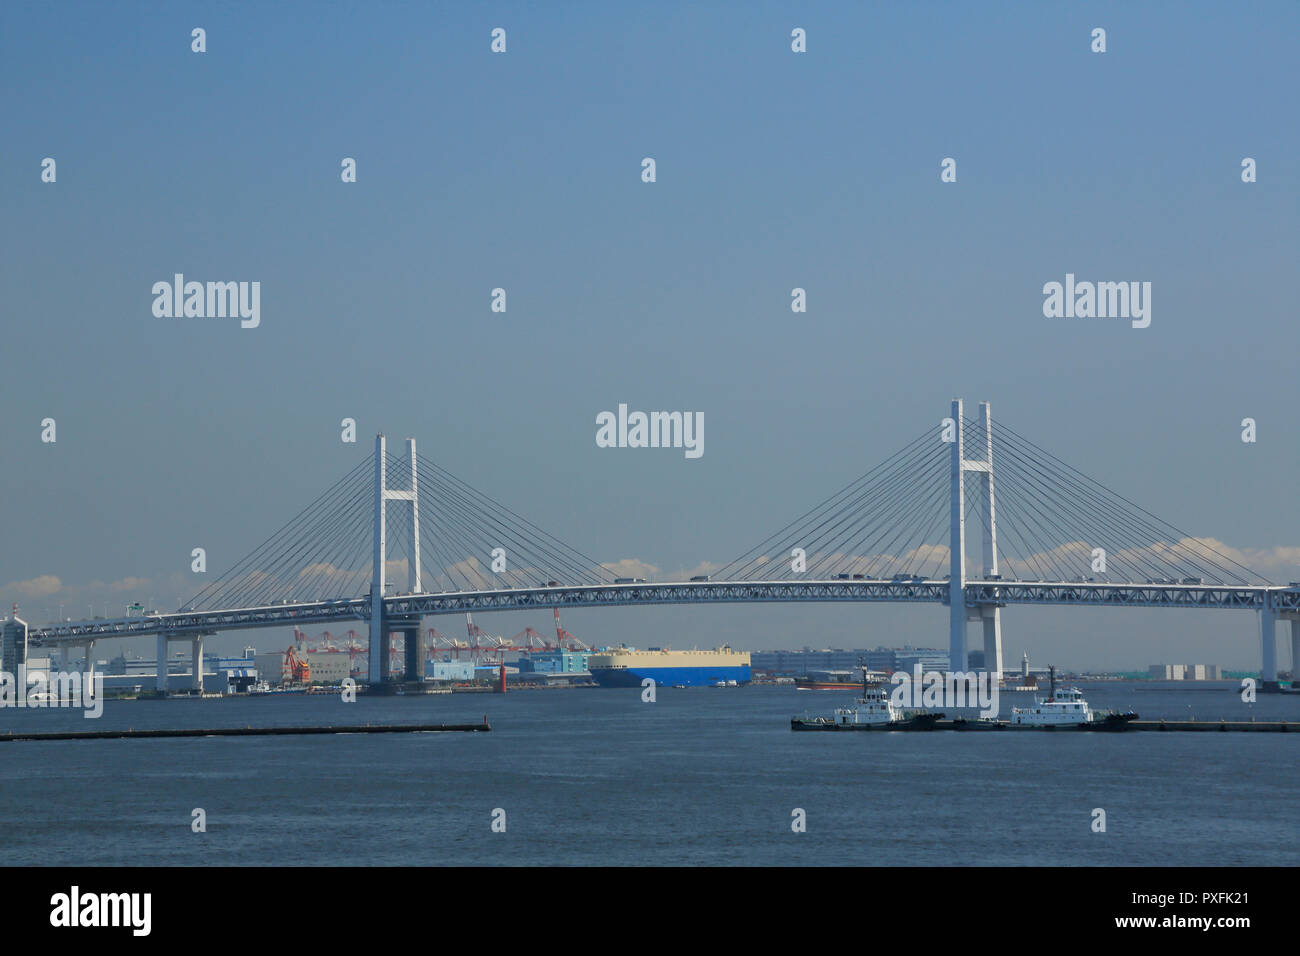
(978, 593)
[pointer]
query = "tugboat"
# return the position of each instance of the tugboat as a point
(873, 707)
(872, 711)
(1067, 710)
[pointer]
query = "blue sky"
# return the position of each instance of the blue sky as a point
(522, 170)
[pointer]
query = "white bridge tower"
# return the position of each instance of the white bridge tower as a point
(958, 613)
(378, 671)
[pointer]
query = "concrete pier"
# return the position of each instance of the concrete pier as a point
(1268, 644)
(1295, 651)
(255, 731)
(979, 726)
(414, 652)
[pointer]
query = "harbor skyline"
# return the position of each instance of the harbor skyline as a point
(658, 437)
(763, 185)
(429, 531)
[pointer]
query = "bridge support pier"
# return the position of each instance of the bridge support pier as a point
(377, 663)
(1268, 644)
(65, 658)
(160, 673)
(90, 661)
(992, 617)
(196, 664)
(414, 650)
(1295, 652)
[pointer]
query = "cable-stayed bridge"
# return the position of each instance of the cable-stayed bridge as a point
(1046, 533)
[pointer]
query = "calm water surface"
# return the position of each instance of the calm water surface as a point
(702, 776)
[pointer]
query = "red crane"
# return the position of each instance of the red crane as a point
(437, 639)
(480, 640)
(297, 666)
(327, 644)
(561, 635)
(526, 639)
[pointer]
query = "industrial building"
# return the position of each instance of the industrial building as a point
(1186, 672)
(231, 675)
(460, 671)
(928, 658)
(325, 667)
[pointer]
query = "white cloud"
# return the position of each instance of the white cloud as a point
(704, 567)
(129, 584)
(631, 568)
(38, 587)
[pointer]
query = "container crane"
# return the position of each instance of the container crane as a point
(451, 644)
(525, 640)
(480, 640)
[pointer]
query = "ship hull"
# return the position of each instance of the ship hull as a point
(1111, 724)
(706, 676)
(916, 722)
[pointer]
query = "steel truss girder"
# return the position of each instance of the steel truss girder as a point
(977, 593)
(1126, 595)
(180, 625)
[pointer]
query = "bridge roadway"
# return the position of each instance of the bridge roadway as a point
(399, 607)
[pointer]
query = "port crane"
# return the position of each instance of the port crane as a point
(480, 645)
(440, 640)
(561, 635)
(528, 639)
(296, 666)
(481, 641)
